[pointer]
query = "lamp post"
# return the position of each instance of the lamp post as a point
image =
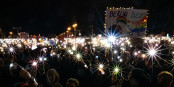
(11, 34)
(68, 30)
(67, 34)
(74, 26)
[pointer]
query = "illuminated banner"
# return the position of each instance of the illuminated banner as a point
(132, 22)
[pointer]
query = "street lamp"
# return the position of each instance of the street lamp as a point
(10, 33)
(74, 26)
(69, 28)
(67, 33)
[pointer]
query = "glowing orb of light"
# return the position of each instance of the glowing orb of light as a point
(54, 53)
(34, 63)
(11, 65)
(116, 70)
(71, 53)
(135, 53)
(102, 72)
(101, 66)
(45, 59)
(173, 52)
(2, 50)
(73, 48)
(96, 57)
(118, 57)
(85, 65)
(115, 51)
(152, 52)
(143, 55)
(40, 59)
(111, 38)
(121, 60)
(11, 49)
(78, 56)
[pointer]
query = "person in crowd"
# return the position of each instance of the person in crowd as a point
(72, 82)
(165, 79)
(53, 78)
(1, 63)
(137, 78)
(3, 74)
(31, 82)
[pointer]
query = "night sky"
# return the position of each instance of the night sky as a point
(54, 16)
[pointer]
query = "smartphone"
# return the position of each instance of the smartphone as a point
(96, 57)
(12, 66)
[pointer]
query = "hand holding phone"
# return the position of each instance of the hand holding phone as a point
(14, 68)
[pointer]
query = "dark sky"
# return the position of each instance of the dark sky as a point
(54, 16)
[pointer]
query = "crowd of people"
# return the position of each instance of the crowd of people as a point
(41, 67)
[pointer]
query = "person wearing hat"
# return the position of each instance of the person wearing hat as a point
(165, 79)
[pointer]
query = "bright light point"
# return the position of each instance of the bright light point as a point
(121, 60)
(130, 45)
(152, 52)
(115, 51)
(135, 53)
(51, 54)
(101, 66)
(96, 57)
(145, 41)
(64, 46)
(102, 72)
(172, 42)
(11, 65)
(40, 59)
(128, 42)
(34, 63)
(85, 65)
(116, 70)
(78, 56)
(123, 49)
(71, 53)
(11, 49)
(111, 38)
(73, 48)
(45, 59)
(118, 57)
(173, 52)
(54, 53)
(143, 55)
